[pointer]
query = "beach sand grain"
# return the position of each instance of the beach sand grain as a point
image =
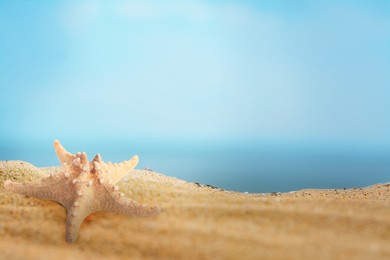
(199, 221)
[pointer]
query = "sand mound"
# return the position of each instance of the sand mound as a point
(198, 221)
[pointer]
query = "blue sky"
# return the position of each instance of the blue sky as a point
(285, 71)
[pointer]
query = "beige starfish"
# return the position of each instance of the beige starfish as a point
(84, 187)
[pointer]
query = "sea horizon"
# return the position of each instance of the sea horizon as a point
(244, 167)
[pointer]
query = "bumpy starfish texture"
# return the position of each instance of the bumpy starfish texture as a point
(84, 187)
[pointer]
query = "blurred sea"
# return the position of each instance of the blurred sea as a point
(250, 168)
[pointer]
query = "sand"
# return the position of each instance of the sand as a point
(200, 222)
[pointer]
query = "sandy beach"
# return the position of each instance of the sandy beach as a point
(200, 222)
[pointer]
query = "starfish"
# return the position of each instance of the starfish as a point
(84, 187)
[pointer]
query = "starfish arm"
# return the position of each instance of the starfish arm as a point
(81, 207)
(115, 202)
(115, 172)
(43, 189)
(63, 155)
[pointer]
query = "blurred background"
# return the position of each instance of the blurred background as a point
(255, 96)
